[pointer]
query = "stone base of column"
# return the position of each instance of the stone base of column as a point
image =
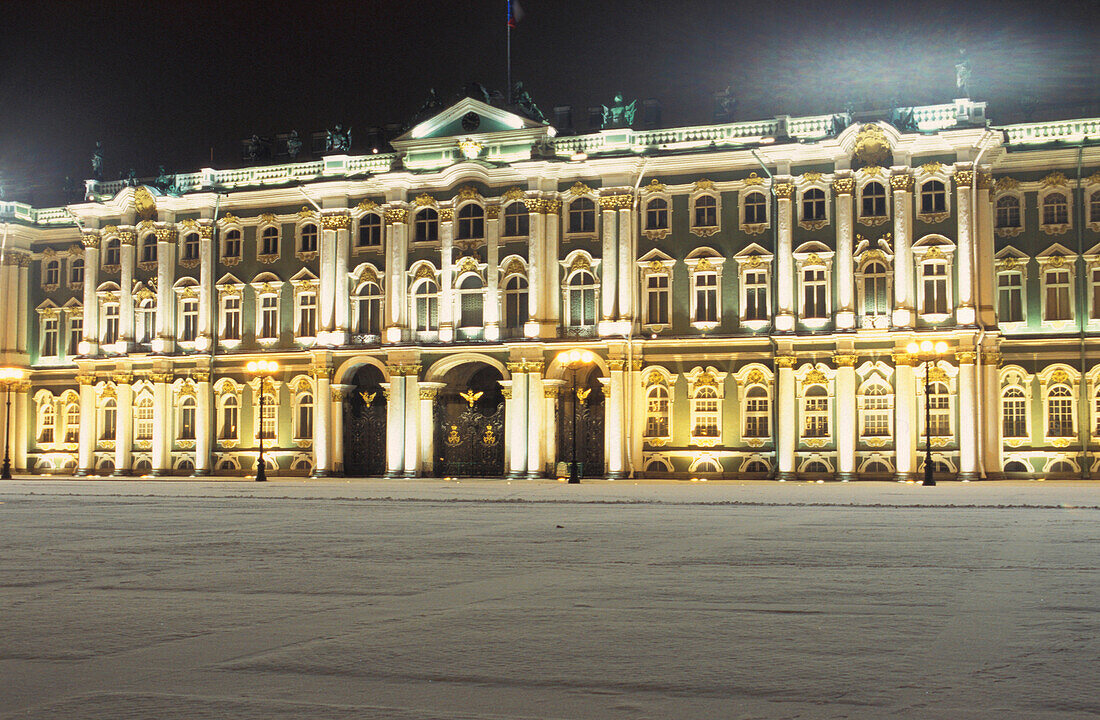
(161, 473)
(968, 476)
(122, 472)
(616, 475)
(534, 475)
(82, 472)
(394, 474)
(517, 475)
(846, 476)
(995, 475)
(786, 476)
(909, 477)
(409, 474)
(322, 474)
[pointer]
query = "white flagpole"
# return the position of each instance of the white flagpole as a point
(508, 93)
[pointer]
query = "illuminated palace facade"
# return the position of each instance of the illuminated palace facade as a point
(747, 292)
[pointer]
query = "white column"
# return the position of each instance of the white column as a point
(605, 388)
(166, 297)
(991, 400)
(322, 415)
(968, 416)
(788, 418)
(965, 313)
(845, 284)
(636, 400)
(616, 421)
(162, 457)
(339, 394)
(207, 298)
(516, 417)
(627, 275)
(904, 306)
(86, 458)
(23, 422)
(204, 422)
(343, 286)
(126, 299)
(91, 301)
(536, 262)
(428, 393)
(412, 422)
(509, 411)
(446, 285)
(492, 274)
(609, 257)
(9, 290)
(985, 248)
(535, 420)
(905, 408)
(551, 276)
(845, 416)
(397, 260)
(395, 423)
(551, 389)
(784, 260)
(326, 320)
(22, 317)
(124, 424)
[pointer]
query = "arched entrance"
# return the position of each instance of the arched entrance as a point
(469, 423)
(365, 424)
(588, 404)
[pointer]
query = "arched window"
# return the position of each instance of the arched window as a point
(230, 417)
(143, 419)
(191, 246)
(704, 413)
(816, 412)
(471, 222)
(426, 305)
(933, 197)
(304, 428)
(53, 273)
(657, 412)
(1013, 413)
(471, 300)
(813, 204)
(1055, 209)
(426, 226)
(149, 248)
(582, 299)
(370, 230)
(1008, 212)
(72, 422)
(113, 253)
(110, 419)
(939, 409)
(1016, 466)
(874, 200)
(1059, 412)
(875, 411)
(815, 467)
(368, 301)
(189, 313)
(269, 241)
(757, 412)
(308, 242)
(582, 216)
(756, 466)
(232, 245)
(756, 209)
(47, 421)
(706, 211)
(185, 465)
(1061, 466)
(656, 214)
(187, 419)
(875, 290)
(76, 271)
(268, 418)
(143, 466)
(515, 302)
(517, 221)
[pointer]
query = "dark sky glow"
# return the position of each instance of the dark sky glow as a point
(163, 82)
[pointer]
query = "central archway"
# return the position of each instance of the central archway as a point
(469, 423)
(365, 424)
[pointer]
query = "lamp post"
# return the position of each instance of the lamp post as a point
(927, 352)
(262, 369)
(575, 360)
(9, 377)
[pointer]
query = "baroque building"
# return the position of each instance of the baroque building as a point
(747, 292)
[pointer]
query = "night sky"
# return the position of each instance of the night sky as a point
(171, 83)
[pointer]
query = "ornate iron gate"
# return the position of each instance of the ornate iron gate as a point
(365, 433)
(469, 439)
(590, 413)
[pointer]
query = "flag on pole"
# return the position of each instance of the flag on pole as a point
(515, 13)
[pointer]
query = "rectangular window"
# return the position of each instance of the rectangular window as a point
(230, 415)
(1057, 300)
(657, 299)
(143, 419)
(1095, 294)
(935, 288)
(756, 413)
(939, 410)
(756, 295)
(190, 329)
(233, 244)
(49, 337)
(307, 315)
(816, 416)
(1060, 416)
(231, 328)
(706, 297)
(1010, 303)
(813, 290)
(705, 406)
(110, 327)
(269, 317)
(267, 420)
(76, 334)
(1014, 414)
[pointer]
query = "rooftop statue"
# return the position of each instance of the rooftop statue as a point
(840, 121)
(903, 118)
(430, 105)
(338, 139)
(619, 114)
(724, 105)
(962, 74)
(255, 147)
(522, 99)
(97, 161)
(164, 180)
(293, 145)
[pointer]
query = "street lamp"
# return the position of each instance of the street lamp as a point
(575, 360)
(927, 352)
(262, 369)
(9, 377)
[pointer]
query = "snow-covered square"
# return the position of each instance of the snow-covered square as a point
(476, 600)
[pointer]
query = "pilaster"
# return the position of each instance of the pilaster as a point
(609, 257)
(339, 394)
(446, 284)
(397, 230)
(616, 420)
(86, 453)
(985, 250)
(784, 258)
(491, 306)
(535, 415)
(124, 425)
(395, 424)
(166, 298)
(905, 417)
(204, 421)
(843, 188)
(627, 253)
(91, 304)
(162, 457)
(429, 391)
(965, 312)
(207, 306)
(992, 443)
(968, 416)
(126, 302)
(788, 418)
(322, 417)
(904, 307)
(517, 421)
(845, 416)
(412, 421)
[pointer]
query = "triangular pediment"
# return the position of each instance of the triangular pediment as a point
(466, 118)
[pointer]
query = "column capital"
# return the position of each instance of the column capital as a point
(784, 190)
(85, 379)
(985, 181)
(785, 361)
(129, 237)
(166, 235)
(616, 365)
(395, 215)
(966, 357)
(516, 367)
(845, 360)
(991, 358)
(338, 220)
(905, 359)
(123, 378)
(963, 178)
(89, 240)
(844, 186)
(616, 202)
(200, 376)
(901, 182)
(534, 366)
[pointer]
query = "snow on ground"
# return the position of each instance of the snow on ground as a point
(482, 599)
